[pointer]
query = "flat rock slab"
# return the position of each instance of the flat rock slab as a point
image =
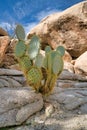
(66, 75)
(71, 98)
(10, 72)
(11, 78)
(17, 104)
(12, 81)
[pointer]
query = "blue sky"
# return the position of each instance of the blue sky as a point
(29, 12)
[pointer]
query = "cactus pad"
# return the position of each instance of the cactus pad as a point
(39, 60)
(45, 62)
(20, 49)
(34, 76)
(25, 63)
(47, 49)
(20, 33)
(34, 47)
(57, 65)
(60, 50)
(51, 57)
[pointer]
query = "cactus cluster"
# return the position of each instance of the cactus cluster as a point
(41, 72)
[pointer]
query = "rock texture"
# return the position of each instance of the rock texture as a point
(67, 57)
(17, 102)
(81, 64)
(66, 104)
(71, 91)
(3, 32)
(4, 41)
(68, 28)
(9, 59)
(16, 105)
(68, 66)
(11, 78)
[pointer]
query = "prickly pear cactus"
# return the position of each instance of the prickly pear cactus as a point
(33, 48)
(41, 72)
(25, 63)
(20, 49)
(20, 33)
(34, 77)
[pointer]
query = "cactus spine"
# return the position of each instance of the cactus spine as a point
(40, 71)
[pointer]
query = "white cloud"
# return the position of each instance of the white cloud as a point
(7, 26)
(21, 9)
(45, 13)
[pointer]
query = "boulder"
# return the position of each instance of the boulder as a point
(68, 28)
(81, 64)
(4, 41)
(17, 104)
(3, 32)
(9, 58)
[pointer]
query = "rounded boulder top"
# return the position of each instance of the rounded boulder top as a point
(3, 32)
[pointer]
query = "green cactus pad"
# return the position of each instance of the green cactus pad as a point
(61, 50)
(34, 47)
(48, 49)
(25, 63)
(20, 49)
(20, 33)
(39, 60)
(45, 62)
(51, 57)
(57, 65)
(34, 76)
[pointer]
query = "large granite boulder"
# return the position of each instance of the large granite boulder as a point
(68, 28)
